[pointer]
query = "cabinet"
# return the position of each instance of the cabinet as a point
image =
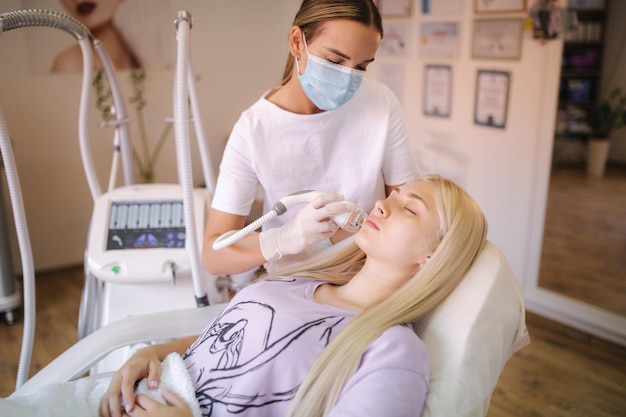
(581, 70)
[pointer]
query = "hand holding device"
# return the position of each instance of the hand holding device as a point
(344, 214)
(312, 224)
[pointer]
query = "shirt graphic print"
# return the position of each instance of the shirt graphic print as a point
(252, 359)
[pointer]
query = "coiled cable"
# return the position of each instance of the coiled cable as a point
(39, 17)
(183, 151)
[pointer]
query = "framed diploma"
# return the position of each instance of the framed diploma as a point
(396, 40)
(394, 8)
(439, 40)
(497, 38)
(437, 90)
(492, 96)
(484, 6)
(442, 7)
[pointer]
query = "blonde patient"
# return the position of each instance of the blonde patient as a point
(331, 338)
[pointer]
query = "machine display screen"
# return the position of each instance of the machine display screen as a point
(146, 225)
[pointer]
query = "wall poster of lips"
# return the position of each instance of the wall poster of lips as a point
(135, 33)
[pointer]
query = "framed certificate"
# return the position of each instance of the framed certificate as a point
(439, 40)
(484, 6)
(497, 38)
(492, 96)
(396, 40)
(394, 8)
(437, 90)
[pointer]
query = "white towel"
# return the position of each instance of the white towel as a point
(81, 398)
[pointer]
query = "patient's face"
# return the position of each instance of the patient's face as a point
(401, 229)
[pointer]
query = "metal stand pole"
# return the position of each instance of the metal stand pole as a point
(10, 299)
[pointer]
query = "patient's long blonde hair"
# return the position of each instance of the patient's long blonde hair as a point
(463, 231)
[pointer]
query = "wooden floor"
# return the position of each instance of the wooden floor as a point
(562, 373)
(584, 246)
(58, 299)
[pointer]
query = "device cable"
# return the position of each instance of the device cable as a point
(207, 166)
(49, 18)
(15, 20)
(183, 153)
(350, 221)
(279, 208)
(26, 253)
(122, 143)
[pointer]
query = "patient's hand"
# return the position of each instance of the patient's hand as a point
(174, 407)
(145, 363)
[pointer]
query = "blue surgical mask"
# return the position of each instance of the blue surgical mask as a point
(326, 84)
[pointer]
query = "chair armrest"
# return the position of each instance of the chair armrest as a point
(78, 359)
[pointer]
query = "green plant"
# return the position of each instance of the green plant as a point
(609, 114)
(146, 159)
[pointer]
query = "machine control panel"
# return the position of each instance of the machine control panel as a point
(146, 224)
(138, 234)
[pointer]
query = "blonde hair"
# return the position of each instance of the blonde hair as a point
(314, 13)
(461, 236)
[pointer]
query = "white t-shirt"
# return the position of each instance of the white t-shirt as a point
(354, 150)
(252, 359)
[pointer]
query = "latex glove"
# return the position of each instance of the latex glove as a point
(312, 224)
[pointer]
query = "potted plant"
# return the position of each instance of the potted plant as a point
(606, 117)
(145, 159)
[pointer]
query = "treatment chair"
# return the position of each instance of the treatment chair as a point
(469, 339)
(471, 336)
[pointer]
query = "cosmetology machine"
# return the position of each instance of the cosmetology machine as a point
(142, 252)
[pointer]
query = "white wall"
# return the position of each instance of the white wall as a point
(504, 168)
(238, 48)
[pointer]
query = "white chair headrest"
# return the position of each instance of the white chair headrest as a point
(471, 336)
